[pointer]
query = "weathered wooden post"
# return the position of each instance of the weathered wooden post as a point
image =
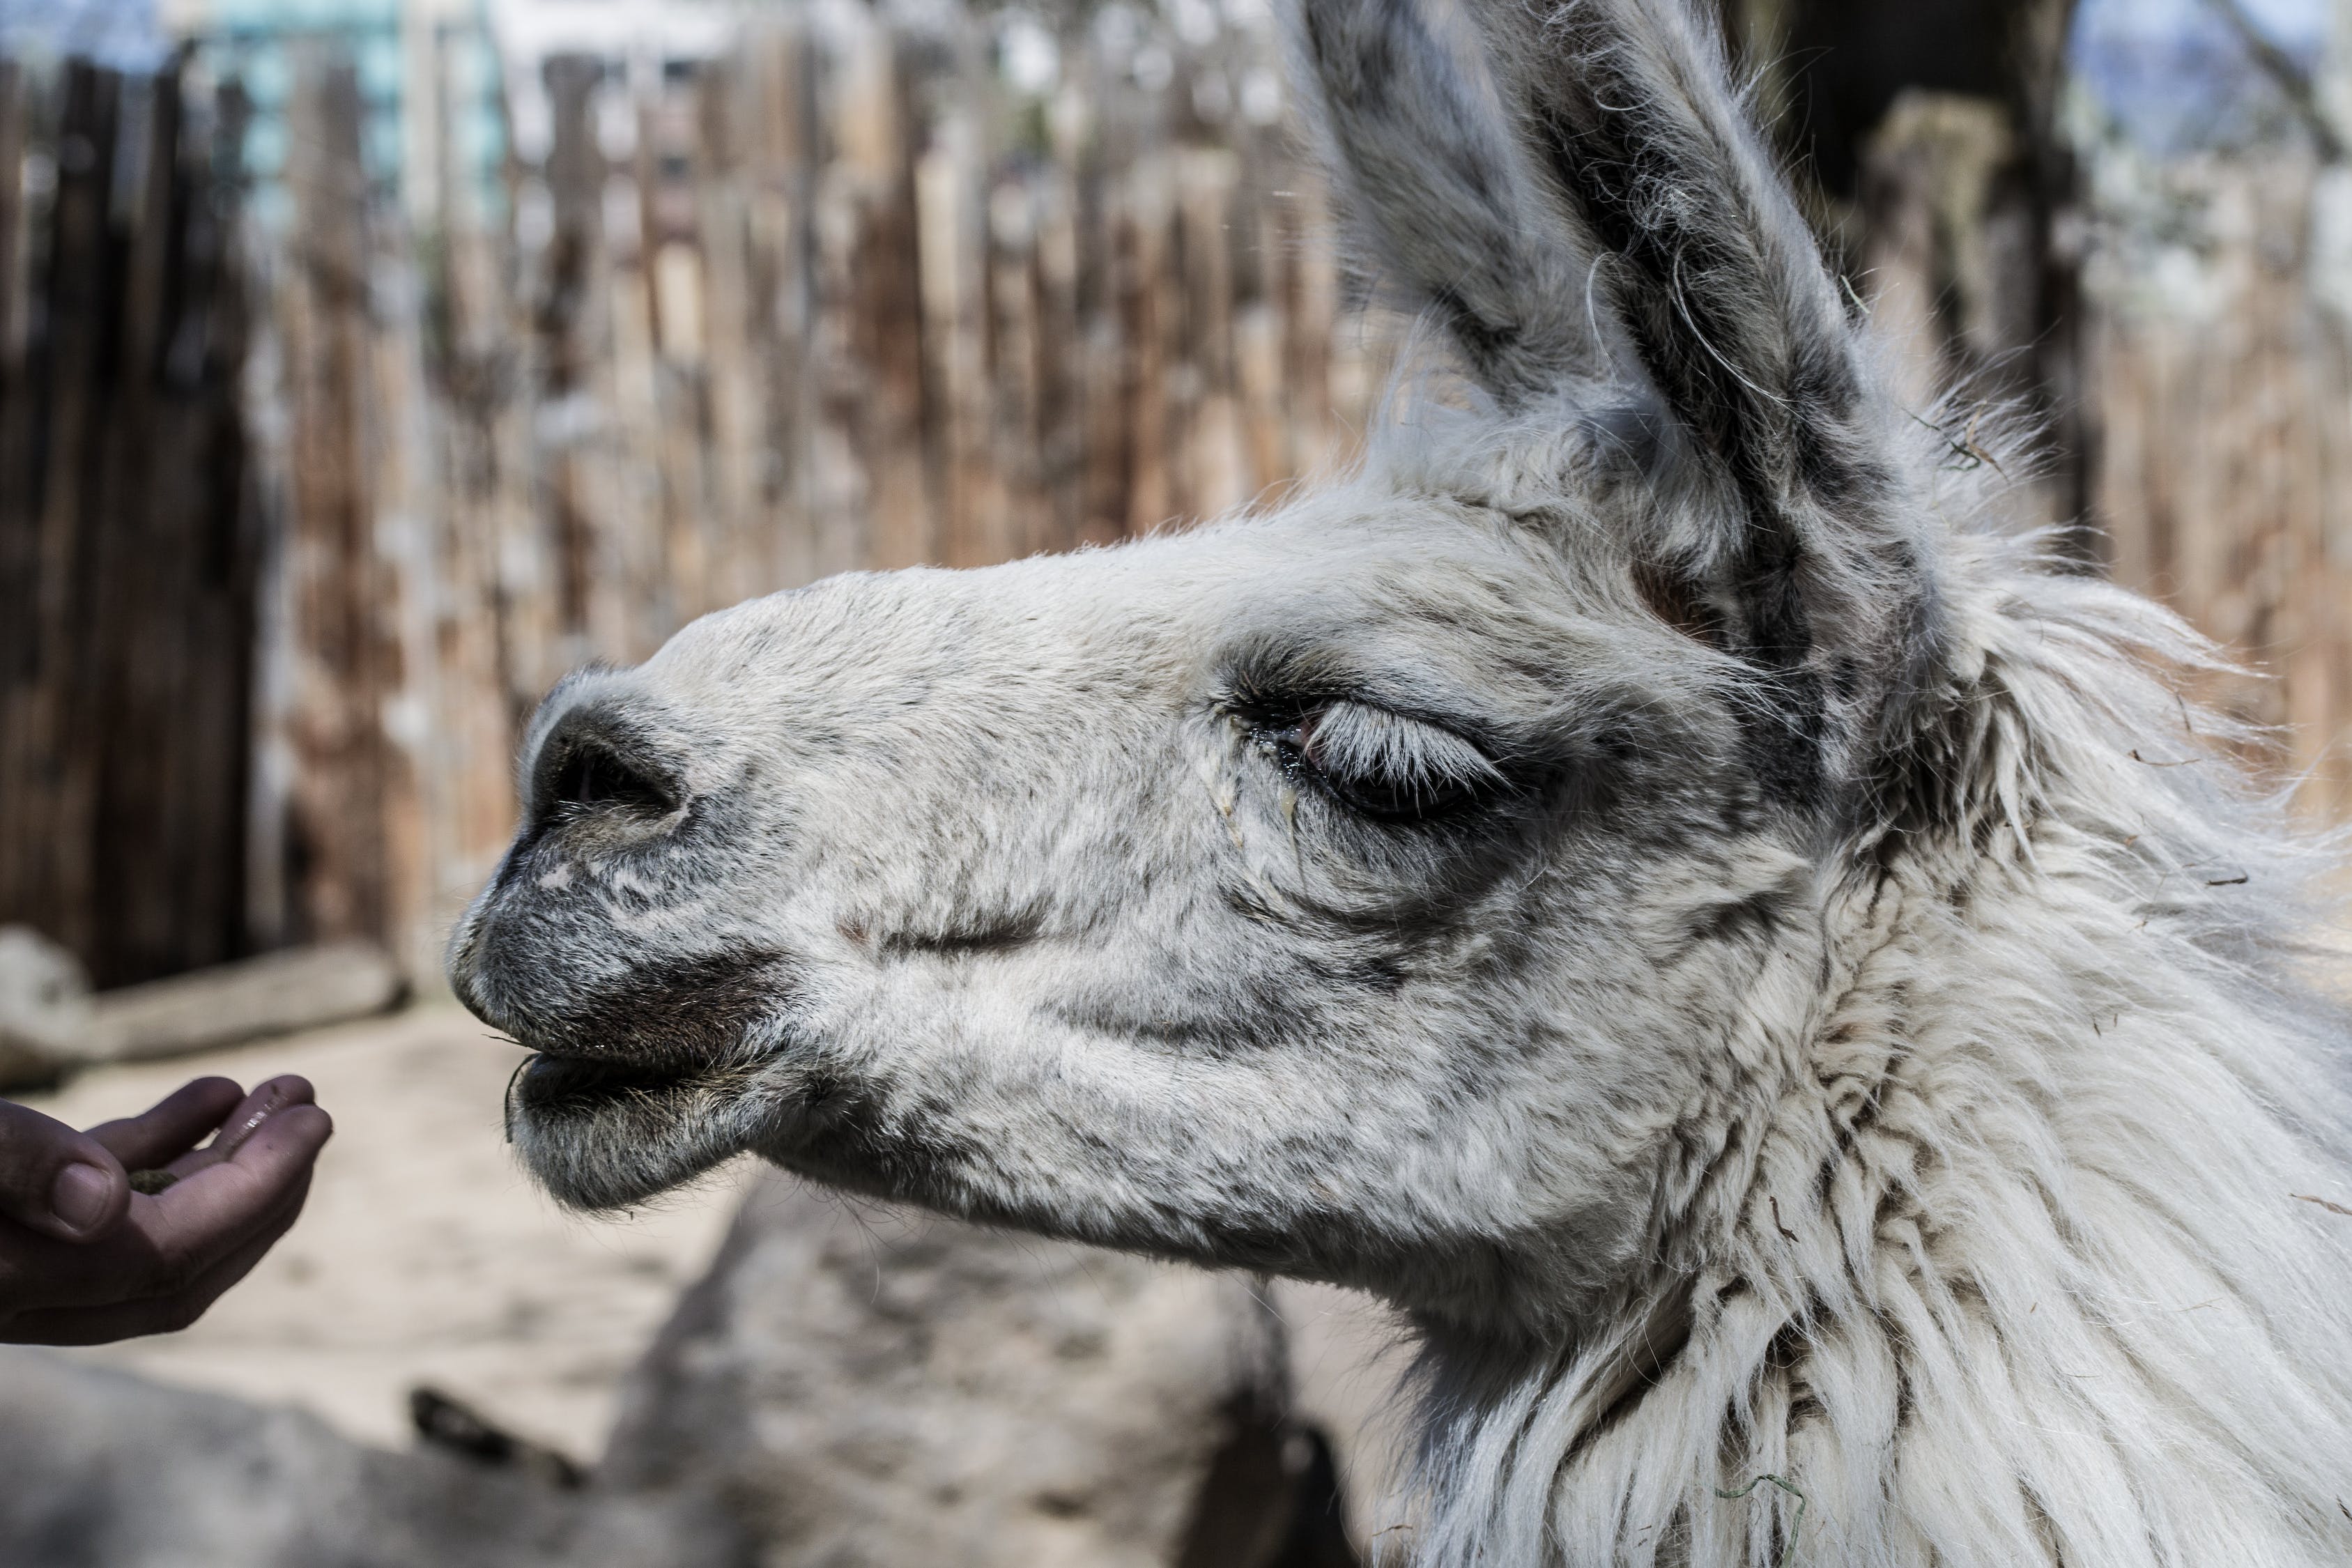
(344, 782)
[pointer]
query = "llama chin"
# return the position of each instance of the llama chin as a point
(1652, 874)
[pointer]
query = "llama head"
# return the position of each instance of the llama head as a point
(1379, 889)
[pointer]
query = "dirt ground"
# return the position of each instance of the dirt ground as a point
(425, 1256)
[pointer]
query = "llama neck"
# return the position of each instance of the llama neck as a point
(2015, 1272)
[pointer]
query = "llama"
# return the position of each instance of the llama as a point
(1649, 875)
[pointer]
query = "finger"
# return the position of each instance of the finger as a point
(267, 1101)
(222, 1199)
(108, 1322)
(58, 1181)
(177, 1237)
(175, 1125)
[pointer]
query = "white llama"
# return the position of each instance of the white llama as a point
(1759, 962)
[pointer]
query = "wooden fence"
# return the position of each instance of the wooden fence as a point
(2222, 380)
(127, 564)
(298, 520)
(843, 299)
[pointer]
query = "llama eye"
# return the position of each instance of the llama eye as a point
(1382, 764)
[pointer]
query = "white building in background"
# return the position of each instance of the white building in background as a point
(123, 34)
(449, 87)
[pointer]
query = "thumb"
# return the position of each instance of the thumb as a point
(57, 1181)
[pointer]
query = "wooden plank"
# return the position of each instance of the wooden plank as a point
(481, 469)
(22, 745)
(1311, 308)
(781, 237)
(690, 543)
(204, 359)
(1017, 375)
(15, 114)
(885, 299)
(1102, 269)
(571, 315)
(277, 993)
(950, 194)
(729, 429)
(144, 572)
(1150, 319)
(643, 553)
(73, 621)
(339, 663)
(1218, 472)
(1060, 361)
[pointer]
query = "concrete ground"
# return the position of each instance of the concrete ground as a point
(425, 1256)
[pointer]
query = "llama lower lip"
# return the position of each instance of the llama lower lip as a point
(604, 1133)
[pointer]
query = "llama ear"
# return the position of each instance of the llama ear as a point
(1595, 221)
(1803, 548)
(1441, 196)
(1624, 110)
(1591, 207)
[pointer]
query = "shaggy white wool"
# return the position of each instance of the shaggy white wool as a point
(1769, 968)
(1999, 1247)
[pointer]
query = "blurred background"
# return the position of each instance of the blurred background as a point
(366, 364)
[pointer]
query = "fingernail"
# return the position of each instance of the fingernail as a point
(79, 1197)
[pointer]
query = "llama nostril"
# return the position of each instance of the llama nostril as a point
(589, 774)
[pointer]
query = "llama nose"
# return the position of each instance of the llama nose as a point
(463, 965)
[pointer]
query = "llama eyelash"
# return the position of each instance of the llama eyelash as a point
(1372, 759)
(1380, 763)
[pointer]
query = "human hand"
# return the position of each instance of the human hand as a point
(84, 1259)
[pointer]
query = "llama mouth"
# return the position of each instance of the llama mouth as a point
(558, 1090)
(556, 1084)
(605, 1132)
